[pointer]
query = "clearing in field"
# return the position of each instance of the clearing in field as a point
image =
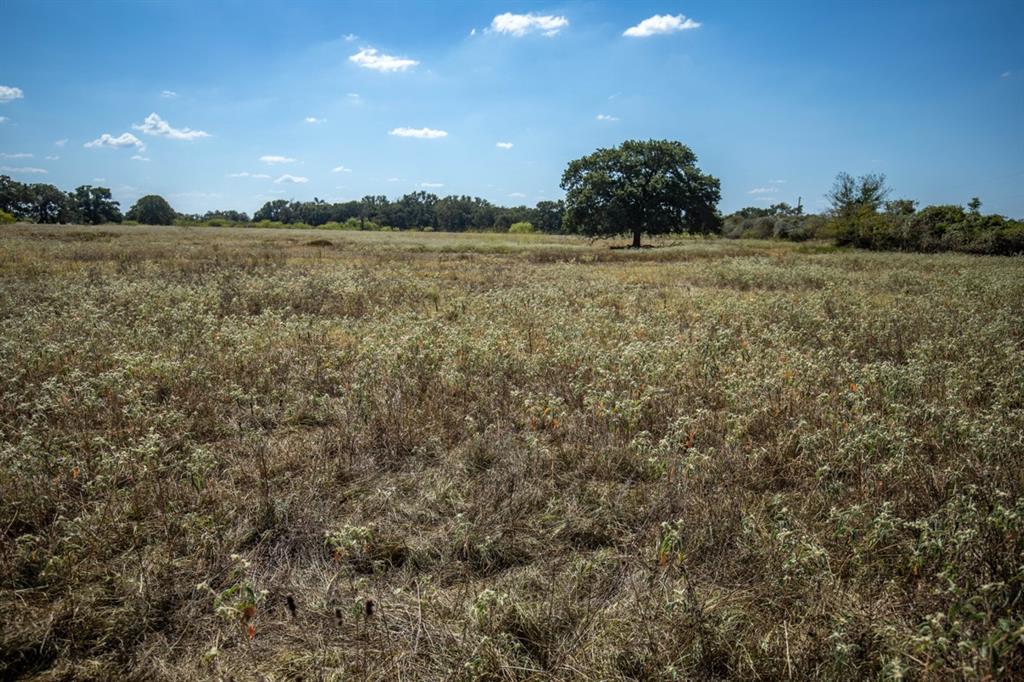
(256, 454)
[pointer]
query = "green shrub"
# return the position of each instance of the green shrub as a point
(6, 218)
(521, 227)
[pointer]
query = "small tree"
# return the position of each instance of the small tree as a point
(652, 187)
(152, 209)
(849, 195)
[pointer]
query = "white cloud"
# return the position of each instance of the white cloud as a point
(778, 182)
(3, 119)
(23, 169)
(606, 117)
(504, 145)
(53, 157)
(122, 140)
(393, 180)
(296, 179)
(353, 97)
(432, 184)
(314, 119)
(271, 159)
(140, 157)
(351, 38)
(154, 125)
(9, 94)
(168, 94)
(99, 179)
(370, 58)
(422, 133)
(341, 169)
(660, 24)
(1006, 74)
(246, 174)
(519, 25)
(472, 32)
(763, 190)
(517, 195)
(19, 155)
(61, 143)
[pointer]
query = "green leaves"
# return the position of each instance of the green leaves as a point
(651, 187)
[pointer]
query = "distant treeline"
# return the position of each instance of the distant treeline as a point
(860, 214)
(414, 211)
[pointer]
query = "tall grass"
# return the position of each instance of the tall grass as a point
(267, 454)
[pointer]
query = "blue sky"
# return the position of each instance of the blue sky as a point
(774, 97)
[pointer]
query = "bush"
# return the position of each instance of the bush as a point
(152, 209)
(6, 218)
(522, 227)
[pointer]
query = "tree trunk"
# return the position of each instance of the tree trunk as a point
(636, 239)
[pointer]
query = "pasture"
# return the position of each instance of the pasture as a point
(283, 454)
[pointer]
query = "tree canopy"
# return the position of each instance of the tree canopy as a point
(95, 205)
(152, 209)
(640, 187)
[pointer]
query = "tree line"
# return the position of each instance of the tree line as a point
(861, 214)
(86, 205)
(638, 188)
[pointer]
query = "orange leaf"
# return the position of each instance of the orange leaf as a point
(75, 471)
(252, 631)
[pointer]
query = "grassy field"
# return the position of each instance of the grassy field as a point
(254, 454)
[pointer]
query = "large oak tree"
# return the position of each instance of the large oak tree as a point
(652, 187)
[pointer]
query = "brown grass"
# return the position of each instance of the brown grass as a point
(250, 454)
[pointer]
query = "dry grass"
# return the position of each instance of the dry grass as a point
(431, 456)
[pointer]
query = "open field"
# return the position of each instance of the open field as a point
(255, 454)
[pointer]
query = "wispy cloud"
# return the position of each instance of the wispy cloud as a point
(140, 157)
(18, 155)
(246, 174)
(9, 94)
(517, 195)
(660, 24)
(422, 133)
(606, 117)
(168, 94)
(1006, 74)
(154, 125)
(122, 140)
(3, 119)
(351, 38)
(22, 169)
(431, 184)
(61, 143)
(341, 169)
(370, 58)
(314, 120)
(353, 98)
(294, 179)
(763, 190)
(504, 145)
(518, 25)
(52, 157)
(272, 159)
